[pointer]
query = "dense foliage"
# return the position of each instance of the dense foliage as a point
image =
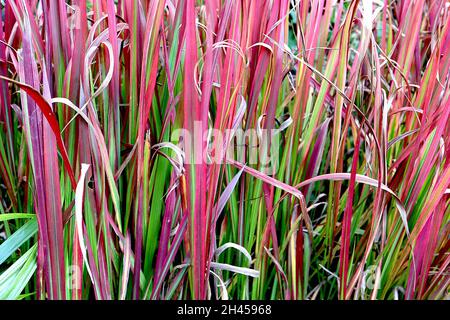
(102, 197)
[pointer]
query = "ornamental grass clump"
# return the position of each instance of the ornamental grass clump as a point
(220, 149)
